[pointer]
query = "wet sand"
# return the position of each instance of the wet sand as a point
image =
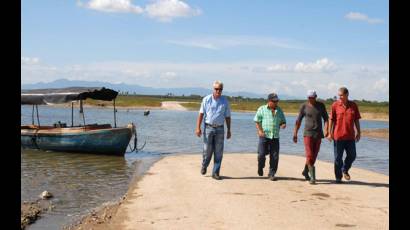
(377, 133)
(174, 195)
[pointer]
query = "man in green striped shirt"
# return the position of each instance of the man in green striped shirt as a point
(269, 119)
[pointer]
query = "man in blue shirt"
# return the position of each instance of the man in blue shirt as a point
(215, 110)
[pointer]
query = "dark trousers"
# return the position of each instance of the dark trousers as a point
(268, 146)
(339, 147)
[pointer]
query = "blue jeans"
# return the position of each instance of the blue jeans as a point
(271, 147)
(339, 147)
(213, 144)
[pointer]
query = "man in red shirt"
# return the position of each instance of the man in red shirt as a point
(344, 116)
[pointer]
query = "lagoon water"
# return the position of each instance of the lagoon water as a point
(81, 182)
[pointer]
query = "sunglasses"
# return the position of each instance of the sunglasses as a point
(275, 101)
(218, 89)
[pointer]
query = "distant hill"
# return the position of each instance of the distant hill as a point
(137, 89)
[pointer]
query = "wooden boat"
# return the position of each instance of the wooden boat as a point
(86, 138)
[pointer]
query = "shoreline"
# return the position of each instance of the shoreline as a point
(154, 199)
(176, 106)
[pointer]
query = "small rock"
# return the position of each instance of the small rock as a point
(46, 195)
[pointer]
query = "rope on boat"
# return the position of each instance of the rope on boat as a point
(134, 133)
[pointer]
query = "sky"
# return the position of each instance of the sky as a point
(258, 46)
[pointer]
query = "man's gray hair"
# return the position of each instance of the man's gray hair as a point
(219, 83)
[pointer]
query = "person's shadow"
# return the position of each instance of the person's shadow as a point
(318, 181)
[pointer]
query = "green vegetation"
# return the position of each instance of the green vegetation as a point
(237, 103)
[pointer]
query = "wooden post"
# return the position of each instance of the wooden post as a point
(38, 119)
(115, 117)
(82, 111)
(32, 116)
(72, 114)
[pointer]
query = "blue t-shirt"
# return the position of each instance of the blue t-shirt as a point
(215, 111)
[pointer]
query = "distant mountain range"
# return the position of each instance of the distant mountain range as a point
(137, 89)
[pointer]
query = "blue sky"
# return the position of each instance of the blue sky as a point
(256, 46)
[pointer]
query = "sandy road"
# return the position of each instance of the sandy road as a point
(173, 105)
(174, 195)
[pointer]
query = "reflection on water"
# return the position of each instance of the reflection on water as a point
(81, 182)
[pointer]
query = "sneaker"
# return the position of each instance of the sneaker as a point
(346, 175)
(203, 171)
(272, 177)
(216, 176)
(260, 172)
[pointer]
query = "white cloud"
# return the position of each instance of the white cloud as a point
(227, 41)
(382, 85)
(167, 10)
(236, 76)
(170, 74)
(113, 6)
(276, 68)
(162, 10)
(29, 60)
(198, 44)
(356, 16)
(321, 65)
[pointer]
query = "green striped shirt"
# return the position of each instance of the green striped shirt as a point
(270, 123)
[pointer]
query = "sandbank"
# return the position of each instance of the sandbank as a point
(174, 195)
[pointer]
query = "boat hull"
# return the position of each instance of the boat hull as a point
(110, 141)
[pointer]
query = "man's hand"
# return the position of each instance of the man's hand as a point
(295, 138)
(326, 133)
(261, 133)
(357, 136)
(228, 134)
(283, 125)
(198, 132)
(330, 137)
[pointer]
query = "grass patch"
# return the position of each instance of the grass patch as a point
(237, 103)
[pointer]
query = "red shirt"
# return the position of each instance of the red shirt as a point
(344, 118)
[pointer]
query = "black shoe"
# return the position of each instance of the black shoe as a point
(203, 171)
(216, 176)
(338, 180)
(305, 173)
(260, 172)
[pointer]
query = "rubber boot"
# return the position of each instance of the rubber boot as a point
(305, 172)
(312, 174)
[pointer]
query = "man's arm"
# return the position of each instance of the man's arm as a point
(228, 126)
(357, 123)
(283, 120)
(326, 128)
(330, 128)
(295, 131)
(260, 130)
(331, 125)
(325, 117)
(198, 130)
(298, 123)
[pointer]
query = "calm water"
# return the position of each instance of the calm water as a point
(81, 182)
